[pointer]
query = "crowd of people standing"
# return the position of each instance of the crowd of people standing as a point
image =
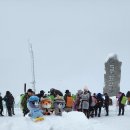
(84, 101)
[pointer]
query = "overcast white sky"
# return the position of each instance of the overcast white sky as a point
(71, 40)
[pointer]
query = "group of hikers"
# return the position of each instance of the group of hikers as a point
(90, 104)
(9, 102)
(84, 101)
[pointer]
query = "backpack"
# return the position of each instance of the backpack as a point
(74, 97)
(69, 102)
(94, 101)
(99, 96)
(85, 101)
(24, 99)
(52, 99)
(85, 97)
(124, 99)
(99, 100)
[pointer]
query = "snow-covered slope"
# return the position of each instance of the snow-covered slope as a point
(69, 121)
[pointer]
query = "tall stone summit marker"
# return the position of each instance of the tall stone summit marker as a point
(112, 76)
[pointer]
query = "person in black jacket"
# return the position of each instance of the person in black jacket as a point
(1, 105)
(128, 96)
(99, 103)
(9, 100)
(106, 103)
(67, 93)
(41, 95)
(12, 109)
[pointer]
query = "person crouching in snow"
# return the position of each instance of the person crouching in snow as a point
(33, 106)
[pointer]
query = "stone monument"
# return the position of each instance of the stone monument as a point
(112, 76)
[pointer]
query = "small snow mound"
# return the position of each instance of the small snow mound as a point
(74, 114)
(73, 121)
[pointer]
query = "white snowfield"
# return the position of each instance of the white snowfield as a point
(69, 121)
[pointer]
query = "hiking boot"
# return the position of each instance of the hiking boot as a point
(119, 114)
(92, 116)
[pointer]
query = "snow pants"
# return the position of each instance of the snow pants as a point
(1, 110)
(121, 108)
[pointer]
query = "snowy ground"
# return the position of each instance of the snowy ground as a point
(69, 121)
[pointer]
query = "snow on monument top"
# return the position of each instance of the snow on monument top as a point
(112, 56)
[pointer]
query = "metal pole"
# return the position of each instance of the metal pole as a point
(32, 66)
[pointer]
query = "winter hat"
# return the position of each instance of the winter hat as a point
(99, 95)
(67, 91)
(7, 92)
(30, 90)
(85, 88)
(94, 94)
(52, 90)
(42, 92)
